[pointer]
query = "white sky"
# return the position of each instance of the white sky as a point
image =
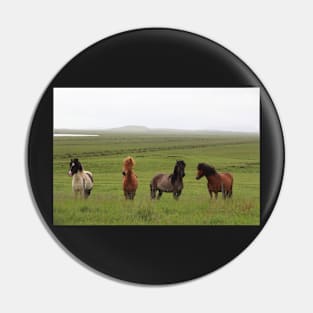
(224, 109)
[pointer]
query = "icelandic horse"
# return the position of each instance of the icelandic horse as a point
(217, 182)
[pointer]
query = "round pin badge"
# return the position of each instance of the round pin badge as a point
(155, 156)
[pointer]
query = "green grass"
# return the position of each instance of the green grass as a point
(103, 156)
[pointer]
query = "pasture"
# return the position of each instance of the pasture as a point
(156, 153)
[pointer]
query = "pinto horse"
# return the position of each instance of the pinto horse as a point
(169, 183)
(130, 181)
(217, 182)
(82, 181)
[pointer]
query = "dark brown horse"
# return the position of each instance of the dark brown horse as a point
(169, 183)
(130, 181)
(217, 182)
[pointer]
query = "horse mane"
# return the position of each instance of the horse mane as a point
(174, 176)
(76, 161)
(207, 169)
(182, 162)
(129, 163)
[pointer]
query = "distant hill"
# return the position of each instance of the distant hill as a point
(129, 129)
(137, 129)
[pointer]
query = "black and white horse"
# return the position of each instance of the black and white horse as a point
(82, 181)
(169, 183)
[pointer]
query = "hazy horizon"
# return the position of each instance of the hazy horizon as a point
(185, 109)
(153, 129)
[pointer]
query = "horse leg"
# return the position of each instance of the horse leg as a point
(216, 194)
(132, 195)
(86, 194)
(160, 194)
(224, 192)
(211, 195)
(152, 192)
(83, 190)
(176, 194)
(125, 194)
(76, 194)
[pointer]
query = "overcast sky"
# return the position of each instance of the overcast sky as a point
(224, 109)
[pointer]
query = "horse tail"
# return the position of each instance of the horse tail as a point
(230, 193)
(87, 192)
(228, 190)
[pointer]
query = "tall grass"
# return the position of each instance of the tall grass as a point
(103, 156)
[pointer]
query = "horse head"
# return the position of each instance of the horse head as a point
(128, 165)
(205, 170)
(179, 171)
(180, 165)
(75, 166)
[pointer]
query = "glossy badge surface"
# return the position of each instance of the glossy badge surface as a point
(155, 156)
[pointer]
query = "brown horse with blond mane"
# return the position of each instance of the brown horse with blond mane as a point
(217, 182)
(130, 181)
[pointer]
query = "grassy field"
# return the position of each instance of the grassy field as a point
(154, 153)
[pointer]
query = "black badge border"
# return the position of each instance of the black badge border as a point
(156, 254)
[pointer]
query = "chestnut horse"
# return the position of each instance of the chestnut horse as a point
(130, 181)
(217, 182)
